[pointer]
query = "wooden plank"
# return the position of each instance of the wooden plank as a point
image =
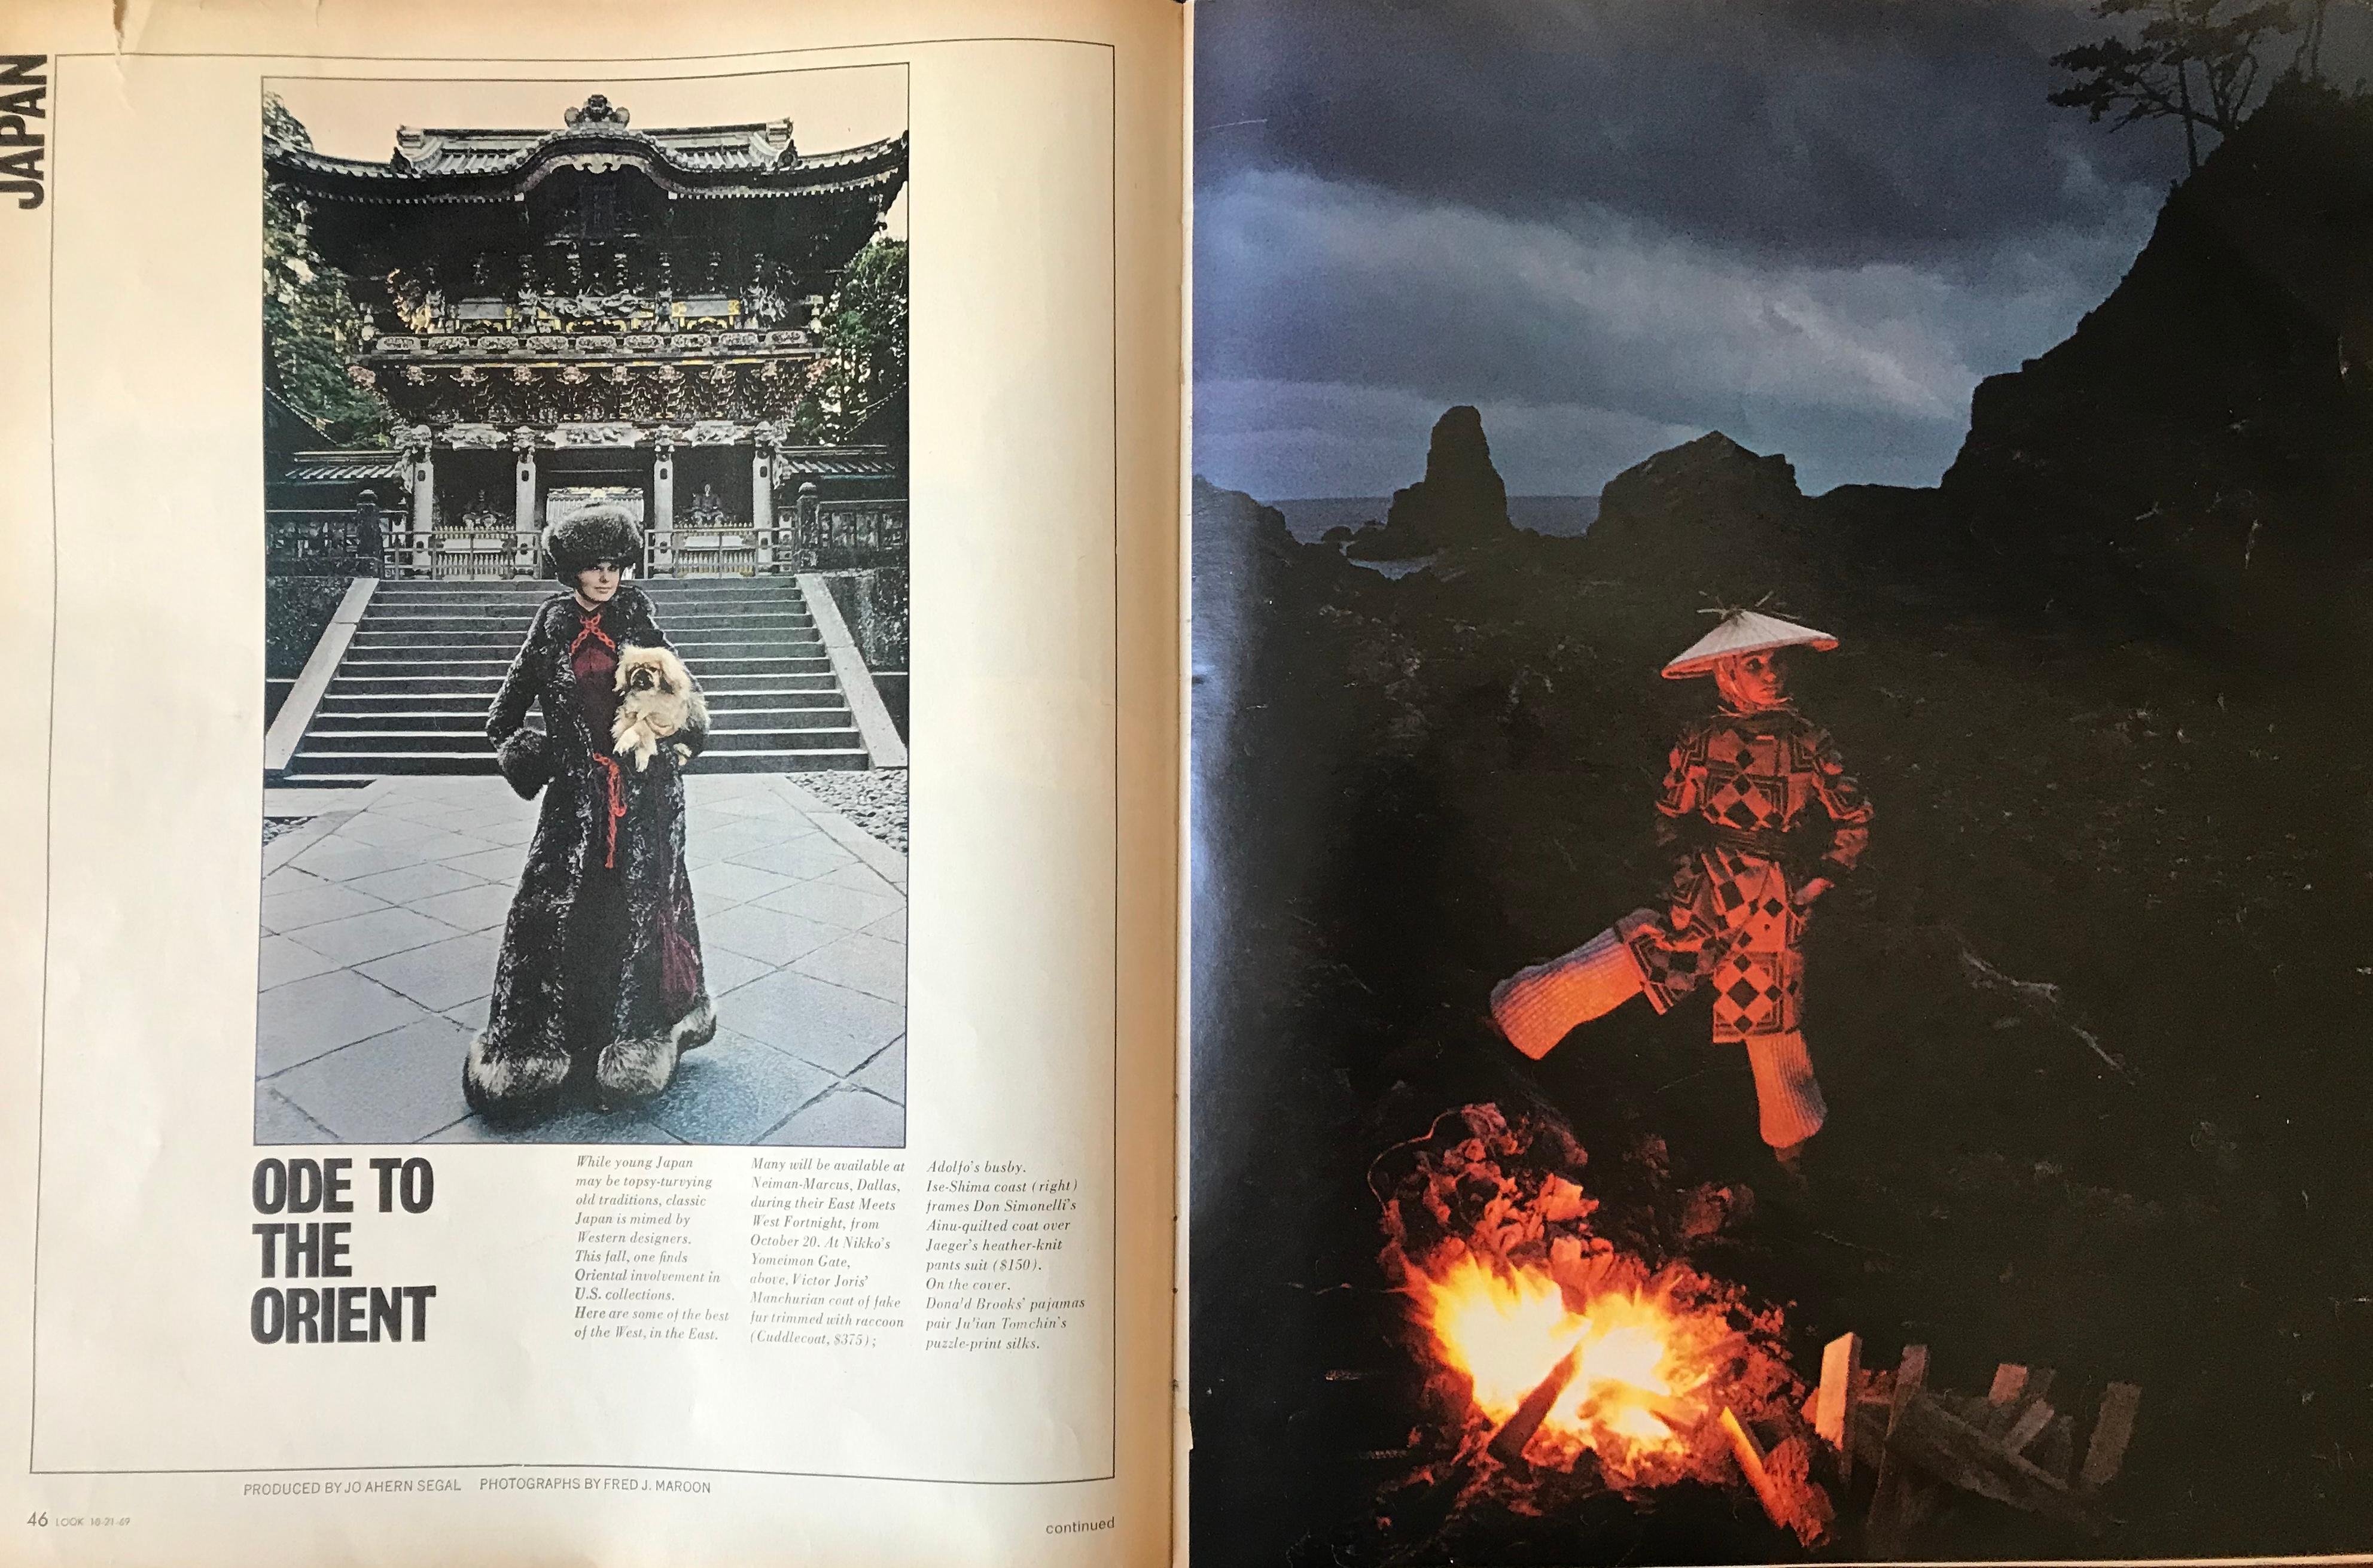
(1889, 1518)
(2112, 1430)
(2055, 1452)
(1749, 1455)
(2028, 1427)
(1929, 1437)
(2010, 1380)
(1841, 1367)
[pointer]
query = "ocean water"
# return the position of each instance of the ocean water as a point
(1564, 517)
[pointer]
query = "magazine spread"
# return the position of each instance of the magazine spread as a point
(591, 966)
(1781, 847)
(1673, 872)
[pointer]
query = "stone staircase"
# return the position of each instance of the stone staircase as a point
(411, 693)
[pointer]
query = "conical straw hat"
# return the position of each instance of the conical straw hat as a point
(1744, 631)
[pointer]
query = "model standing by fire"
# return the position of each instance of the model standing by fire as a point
(1765, 818)
(599, 985)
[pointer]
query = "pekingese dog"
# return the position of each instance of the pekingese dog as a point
(656, 698)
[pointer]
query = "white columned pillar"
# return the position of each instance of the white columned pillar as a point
(661, 561)
(424, 507)
(524, 541)
(761, 499)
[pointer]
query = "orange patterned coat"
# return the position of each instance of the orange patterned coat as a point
(1758, 804)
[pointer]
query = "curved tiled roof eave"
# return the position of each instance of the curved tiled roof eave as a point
(890, 152)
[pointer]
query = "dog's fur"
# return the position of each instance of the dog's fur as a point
(656, 698)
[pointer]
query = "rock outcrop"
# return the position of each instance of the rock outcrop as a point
(2204, 439)
(1461, 501)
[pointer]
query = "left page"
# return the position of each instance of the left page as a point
(591, 975)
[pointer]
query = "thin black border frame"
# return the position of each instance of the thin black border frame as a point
(1112, 149)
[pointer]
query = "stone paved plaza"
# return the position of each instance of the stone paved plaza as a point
(383, 917)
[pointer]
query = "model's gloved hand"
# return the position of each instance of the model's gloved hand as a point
(1812, 890)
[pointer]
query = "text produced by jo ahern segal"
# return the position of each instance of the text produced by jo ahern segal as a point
(997, 1272)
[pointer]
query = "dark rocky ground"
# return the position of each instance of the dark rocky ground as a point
(2106, 757)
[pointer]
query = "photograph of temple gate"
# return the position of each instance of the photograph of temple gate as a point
(561, 379)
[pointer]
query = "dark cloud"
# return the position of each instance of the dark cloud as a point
(1824, 130)
(1614, 224)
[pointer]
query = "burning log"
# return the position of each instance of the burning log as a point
(1507, 1445)
(1750, 1464)
(1840, 1370)
(1781, 1480)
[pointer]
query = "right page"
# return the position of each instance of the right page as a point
(1781, 849)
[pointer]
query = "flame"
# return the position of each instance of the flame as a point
(1640, 1360)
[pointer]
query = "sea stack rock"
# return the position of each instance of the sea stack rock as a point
(1461, 501)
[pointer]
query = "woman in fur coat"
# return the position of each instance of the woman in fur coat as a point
(600, 983)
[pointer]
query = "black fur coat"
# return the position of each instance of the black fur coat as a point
(600, 983)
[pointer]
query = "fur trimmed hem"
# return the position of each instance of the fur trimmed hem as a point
(697, 1027)
(519, 1086)
(631, 1071)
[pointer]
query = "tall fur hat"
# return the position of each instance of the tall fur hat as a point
(597, 535)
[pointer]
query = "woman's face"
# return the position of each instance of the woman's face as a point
(598, 583)
(1753, 679)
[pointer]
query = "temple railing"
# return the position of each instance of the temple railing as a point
(844, 535)
(345, 542)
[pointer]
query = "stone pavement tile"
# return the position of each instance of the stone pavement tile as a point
(443, 974)
(442, 844)
(764, 935)
(301, 905)
(717, 819)
(810, 857)
(297, 840)
(388, 828)
(472, 1014)
(885, 1074)
(727, 969)
(890, 928)
(735, 838)
(288, 879)
(568, 1127)
(703, 788)
(280, 961)
(832, 904)
(865, 879)
(342, 859)
(299, 1020)
(507, 831)
(393, 1088)
(754, 801)
(358, 939)
(725, 884)
(502, 864)
(469, 909)
(862, 963)
(277, 1121)
(410, 885)
(890, 863)
(435, 811)
(733, 1090)
(846, 1118)
(836, 1028)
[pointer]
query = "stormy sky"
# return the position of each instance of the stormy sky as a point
(1617, 223)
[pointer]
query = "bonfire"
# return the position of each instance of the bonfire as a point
(1560, 1354)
